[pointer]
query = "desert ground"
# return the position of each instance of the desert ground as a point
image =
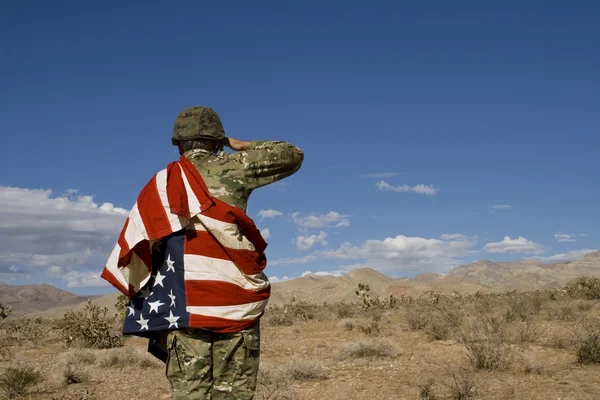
(540, 344)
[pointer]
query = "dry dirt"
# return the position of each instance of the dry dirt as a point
(305, 360)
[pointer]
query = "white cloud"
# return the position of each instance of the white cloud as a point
(517, 245)
(78, 279)
(39, 230)
(397, 254)
(275, 279)
(331, 219)
(322, 273)
(307, 242)
(568, 237)
(501, 207)
(55, 270)
(269, 214)
(381, 175)
(571, 255)
(428, 190)
(266, 233)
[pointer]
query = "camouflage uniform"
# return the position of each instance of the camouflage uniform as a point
(208, 365)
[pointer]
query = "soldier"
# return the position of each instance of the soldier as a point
(210, 365)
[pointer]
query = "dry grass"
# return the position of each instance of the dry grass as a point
(19, 378)
(274, 384)
(366, 348)
(303, 370)
(346, 325)
(527, 343)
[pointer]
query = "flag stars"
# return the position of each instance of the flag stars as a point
(170, 264)
(158, 279)
(172, 320)
(173, 297)
(131, 311)
(154, 305)
(143, 322)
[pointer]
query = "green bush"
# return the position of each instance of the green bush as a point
(584, 287)
(90, 328)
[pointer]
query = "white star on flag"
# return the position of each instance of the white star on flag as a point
(158, 279)
(143, 322)
(170, 264)
(154, 305)
(131, 311)
(172, 320)
(173, 297)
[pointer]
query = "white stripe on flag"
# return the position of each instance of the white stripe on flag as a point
(177, 222)
(112, 267)
(229, 235)
(201, 268)
(193, 202)
(236, 312)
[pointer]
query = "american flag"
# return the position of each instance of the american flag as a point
(208, 272)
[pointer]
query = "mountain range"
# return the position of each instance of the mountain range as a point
(483, 275)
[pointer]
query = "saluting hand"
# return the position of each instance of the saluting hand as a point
(237, 145)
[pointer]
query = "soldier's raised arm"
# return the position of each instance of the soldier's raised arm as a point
(266, 161)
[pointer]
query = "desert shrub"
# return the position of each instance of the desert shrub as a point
(91, 328)
(417, 316)
(372, 327)
(438, 329)
(528, 332)
(368, 301)
(345, 310)
(18, 332)
(121, 307)
(4, 312)
(366, 349)
(303, 370)
(461, 383)
(484, 304)
(584, 305)
(530, 367)
(522, 306)
(18, 379)
(485, 340)
(274, 384)
(278, 317)
(426, 389)
(442, 322)
(346, 325)
(584, 287)
(563, 311)
(127, 357)
(587, 342)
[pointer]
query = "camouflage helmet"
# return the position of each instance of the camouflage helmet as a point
(197, 123)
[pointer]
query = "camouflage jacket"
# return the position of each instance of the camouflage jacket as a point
(232, 177)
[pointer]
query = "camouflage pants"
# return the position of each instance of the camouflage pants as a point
(208, 365)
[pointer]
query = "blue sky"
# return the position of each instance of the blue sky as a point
(483, 105)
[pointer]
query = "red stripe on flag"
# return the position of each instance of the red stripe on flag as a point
(176, 192)
(153, 212)
(216, 293)
(202, 243)
(109, 277)
(219, 324)
(196, 184)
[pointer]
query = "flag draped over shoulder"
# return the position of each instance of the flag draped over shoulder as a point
(211, 275)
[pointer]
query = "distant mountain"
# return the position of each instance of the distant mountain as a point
(27, 299)
(484, 275)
